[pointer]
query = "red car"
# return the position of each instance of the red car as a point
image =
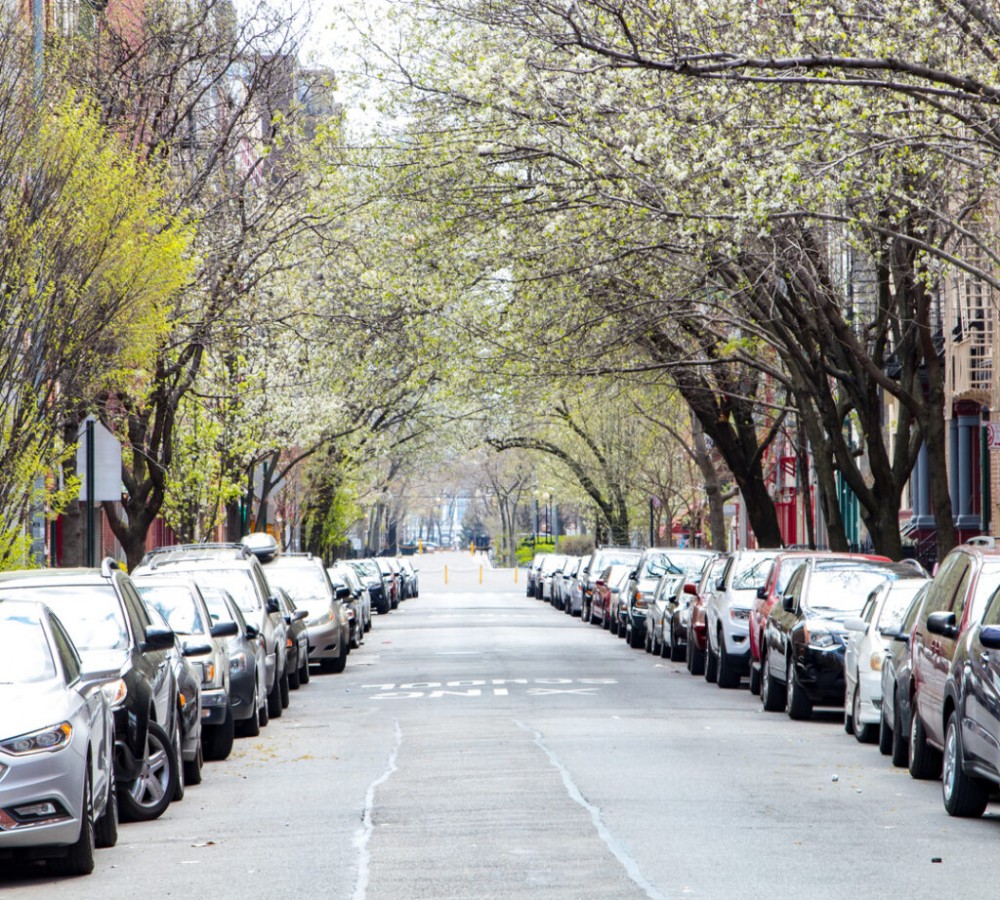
(697, 628)
(606, 588)
(782, 571)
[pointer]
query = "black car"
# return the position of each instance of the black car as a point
(895, 712)
(297, 643)
(971, 770)
(371, 578)
(113, 630)
(804, 636)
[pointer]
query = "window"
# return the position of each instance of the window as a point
(942, 589)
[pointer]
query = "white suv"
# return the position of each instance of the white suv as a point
(727, 615)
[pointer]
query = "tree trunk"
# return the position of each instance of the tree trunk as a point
(713, 486)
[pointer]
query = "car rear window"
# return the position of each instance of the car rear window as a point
(90, 613)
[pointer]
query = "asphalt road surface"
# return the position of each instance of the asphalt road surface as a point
(484, 745)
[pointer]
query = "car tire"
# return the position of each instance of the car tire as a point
(635, 640)
(676, 653)
(274, 707)
(900, 739)
(304, 671)
(611, 624)
(647, 644)
(865, 733)
(711, 664)
(284, 689)
(772, 698)
(106, 826)
(192, 768)
(150, 793)
(294, 681)
(963, 796)
(797, 704)
(79, 858)
(181, 784)
(695, 656)
(754, 679)
(925, 761)
(726, 676)
(884, 733)
(217, 740)
(250, 726)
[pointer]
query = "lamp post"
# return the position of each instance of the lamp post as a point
(546, 496)
(534, 518)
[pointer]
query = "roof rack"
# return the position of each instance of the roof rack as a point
(192, 549)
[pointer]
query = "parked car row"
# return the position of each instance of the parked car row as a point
(914, 662)
(115, 688)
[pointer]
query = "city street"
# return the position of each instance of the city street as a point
(483, 744)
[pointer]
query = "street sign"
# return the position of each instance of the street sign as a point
(107, 463)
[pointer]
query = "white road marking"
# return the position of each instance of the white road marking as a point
(620, 853)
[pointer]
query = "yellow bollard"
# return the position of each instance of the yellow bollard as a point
(515, 574)
(472, 548)
(420, 546)
(445, 574)
(480, 574)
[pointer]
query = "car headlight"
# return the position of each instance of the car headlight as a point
(822, 640)
(739, 614)
(115, 692)
(321, 619)
(45, 740)
(238, 662)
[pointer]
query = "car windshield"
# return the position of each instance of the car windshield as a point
(752, 572)
(306, 585)
(239, 583)
(844, 589)
(91, 613)
(348, 575)
(25, 655)
(788, 568)
(676, 562)
(659, 565)
(177, 606)
(218, 609)
(897, 602)
(986, 584)
(621, 558)
(668, 584)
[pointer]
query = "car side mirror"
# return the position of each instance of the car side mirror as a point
(691, 589)
(158, 639)
(196, 649)
(720, 585)
(942, 623)
(633, 574)
(342, 593)
(253, 632)
(894, 633)
(788, 603)
(272, 605)
(299, 615)
(989, 637)
(224, 629)
(762, 593)
(854, 623)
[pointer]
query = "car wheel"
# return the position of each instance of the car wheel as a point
(677, 653)
(925, 761)
(771, 697)
(181, 784)
(263, 716)
(304, 671)
(192, 769)
(647, 644)
(294, 681)
(284, 691)
(274, 707)
(900, 739)
(864, 733)
(149, 794)
(217, 740)
(797, 704)
(79, 858)
(250, 727)
(727, 676)
(711, 664)
(963, 796)
(884, 733)
(696, 656)
(754, 679)
(611, 623)
(106, 827)
(635, 640)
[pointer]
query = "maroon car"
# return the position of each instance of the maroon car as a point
(606, 590)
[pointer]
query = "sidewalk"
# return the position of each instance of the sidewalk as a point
(448, 571)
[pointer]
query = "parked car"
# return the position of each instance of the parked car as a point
(866, 649)
(390, 578)
(651, 566)
(805, 638)
(297, 643)
(247, 691)
(605, 592)
(347, 586)
(574, 602)
(561, 585)
(307, 581)
(113, 631)
(550, 569)
(599, 561)
(411, 577)
(371, 577)
(678, 564)
(727, 615)
(57, 739)
(235, 568)
(955, 602)
(972, 717)
(694, 613)
(531, 582)
(183, 607)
